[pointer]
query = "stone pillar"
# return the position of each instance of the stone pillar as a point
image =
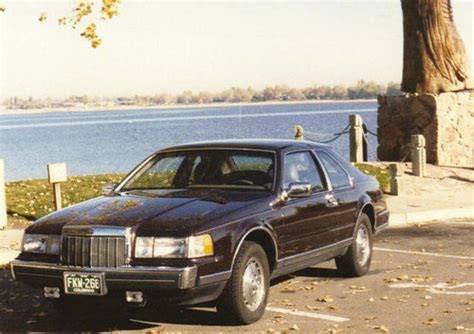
(396, 179)
(356, 140)
(445, 120)
(299, 132)
(418, 155)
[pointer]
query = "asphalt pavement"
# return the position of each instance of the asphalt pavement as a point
(421, 281)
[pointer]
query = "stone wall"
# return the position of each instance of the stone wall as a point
(446, 121)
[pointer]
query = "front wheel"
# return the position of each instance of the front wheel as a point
(245, 296)
(356, 261)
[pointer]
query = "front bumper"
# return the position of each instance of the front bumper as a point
(382, 220)
(120, 278)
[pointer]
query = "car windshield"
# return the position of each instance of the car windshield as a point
(223, 169)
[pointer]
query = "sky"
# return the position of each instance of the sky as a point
(166, 47)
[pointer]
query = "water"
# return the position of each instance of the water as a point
(115, 141)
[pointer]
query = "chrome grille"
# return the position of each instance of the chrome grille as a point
(93, 251)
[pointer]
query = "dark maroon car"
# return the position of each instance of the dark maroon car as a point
(207, 223)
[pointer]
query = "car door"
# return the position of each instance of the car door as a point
(342, 195)
(302, 221)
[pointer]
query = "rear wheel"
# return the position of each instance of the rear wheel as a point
(245, 296)
(356, 261)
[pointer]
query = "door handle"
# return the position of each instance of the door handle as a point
(331, 201)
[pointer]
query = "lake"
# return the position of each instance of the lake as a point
(96, 142)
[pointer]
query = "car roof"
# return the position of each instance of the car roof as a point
(265, 144)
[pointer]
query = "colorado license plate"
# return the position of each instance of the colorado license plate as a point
(92, 284)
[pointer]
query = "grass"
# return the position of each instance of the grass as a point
(33, 199)
(381, 174)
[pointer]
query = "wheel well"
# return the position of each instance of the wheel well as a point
(369, 211)
(265, 240)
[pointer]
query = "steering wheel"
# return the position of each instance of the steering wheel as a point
(243, 182)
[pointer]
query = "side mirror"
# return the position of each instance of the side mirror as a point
(108, 189)
(299, 190)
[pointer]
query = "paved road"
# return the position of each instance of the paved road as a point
(421, 281)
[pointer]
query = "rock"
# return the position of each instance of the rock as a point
(445, 120)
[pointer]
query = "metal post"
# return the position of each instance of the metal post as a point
(299, 132)
(396, 175)
(3, 201)
(356, 138)
(57, 174)
(57, 196)
(418, 155)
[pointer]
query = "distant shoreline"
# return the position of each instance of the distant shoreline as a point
(5, 112)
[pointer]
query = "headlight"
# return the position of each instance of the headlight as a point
(169, 247)
(144, 247)
(41, 243)
(192, 247)
(200, 246)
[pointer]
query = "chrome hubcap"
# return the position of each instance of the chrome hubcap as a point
(253, 286)
(363, 245)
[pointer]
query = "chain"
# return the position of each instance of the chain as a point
(336, 136)
(370, 132)
(309, 134)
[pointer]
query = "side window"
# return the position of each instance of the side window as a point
(336, 173)
(300, 167)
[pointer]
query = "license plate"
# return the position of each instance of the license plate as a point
(91, 284)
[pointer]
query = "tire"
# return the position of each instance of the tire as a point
(356, 261)
(245, 296)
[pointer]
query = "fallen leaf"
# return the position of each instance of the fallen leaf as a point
(430, 322)
(326, 299)
(288, 290)
(381, 328)
(355, 287)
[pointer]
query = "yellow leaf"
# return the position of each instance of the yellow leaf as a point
(43, 17)
(326, 299)
(381, 328)
(294, 327)
(430, 322)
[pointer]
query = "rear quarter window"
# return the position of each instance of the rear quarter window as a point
(337, 174)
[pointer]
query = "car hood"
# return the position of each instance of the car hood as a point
(164, 212)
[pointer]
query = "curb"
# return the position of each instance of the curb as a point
(406, 219)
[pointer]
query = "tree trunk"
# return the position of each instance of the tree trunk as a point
(434, 57)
